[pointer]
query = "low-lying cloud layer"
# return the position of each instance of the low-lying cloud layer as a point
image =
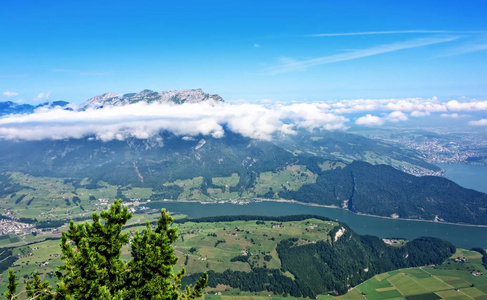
(142, 120)
(259, 121)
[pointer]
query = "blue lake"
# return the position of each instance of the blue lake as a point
(469, 176)
(462, 236)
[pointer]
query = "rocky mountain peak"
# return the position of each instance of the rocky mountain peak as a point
(149, 96)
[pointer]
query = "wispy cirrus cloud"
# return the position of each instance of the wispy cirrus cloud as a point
(414, 31)
(478, 38)
(475, 45)
(377, 33)
(289, 65)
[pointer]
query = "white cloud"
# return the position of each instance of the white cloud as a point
(412, 104)
(451, 116)
(10, 94)
(418, 113)
(479, 43)
(142, 120)
(256, 46)
(481, 122)
(369, 120)
(397, 116)
(42, 96)
(259, 121)
(454, 105)
(417, 107)
(289, 65)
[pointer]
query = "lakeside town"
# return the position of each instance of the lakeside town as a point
(440, 145)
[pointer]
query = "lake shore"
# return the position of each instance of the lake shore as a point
(256, 200)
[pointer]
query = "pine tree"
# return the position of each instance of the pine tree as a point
(93, 269)
(11, 287)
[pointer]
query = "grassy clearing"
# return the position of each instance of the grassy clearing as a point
(188, 186)
(226, 181)
(352, 295)
(138, 193)
(331, 165)
(291, 178)
(406, 285)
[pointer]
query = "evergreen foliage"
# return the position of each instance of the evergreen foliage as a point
(12, 285)
(92, 267)
(484, 255)
(6, 259)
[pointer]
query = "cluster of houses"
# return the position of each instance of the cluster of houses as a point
(13, 227)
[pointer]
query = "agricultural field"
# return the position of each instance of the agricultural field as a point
(226, 181)
(451, 280)
(67, 199)
(291, 178)
(8, 239)
(189, 187)
(64, 198)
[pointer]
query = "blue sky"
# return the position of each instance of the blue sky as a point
(279, 50)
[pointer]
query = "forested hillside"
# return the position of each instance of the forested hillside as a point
(338, 260)
(384, 191)
(234, 168)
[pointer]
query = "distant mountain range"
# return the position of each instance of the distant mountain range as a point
(9, 107)
(112, 99)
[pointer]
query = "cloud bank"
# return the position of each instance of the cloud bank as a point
(259, 121)
(142, 120)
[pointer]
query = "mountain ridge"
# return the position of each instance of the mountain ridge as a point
(149, 96)
(114, 99)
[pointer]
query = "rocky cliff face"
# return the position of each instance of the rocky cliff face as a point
(177, 96)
